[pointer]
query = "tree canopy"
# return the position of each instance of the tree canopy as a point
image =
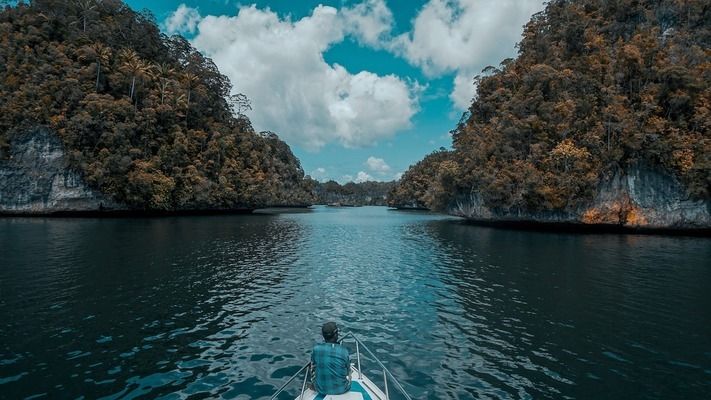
(597, 87)
(370, 193)
(421, 185)
(145, 117)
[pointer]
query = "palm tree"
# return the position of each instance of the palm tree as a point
(163, 72)
(86, 8)
(190, 81)
(179, 104)
(102, 55)
(134, 67)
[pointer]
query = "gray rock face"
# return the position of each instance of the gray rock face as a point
(642, 197)
(34, 179)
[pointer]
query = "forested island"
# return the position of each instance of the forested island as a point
(100, 111)
(602, 119)
(368, 193)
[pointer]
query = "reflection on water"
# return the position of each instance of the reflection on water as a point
(558, 315)
(229, 307)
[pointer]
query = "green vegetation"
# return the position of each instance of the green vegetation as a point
(359, 194)
(598, 87)
(145, 117)
(421, 186)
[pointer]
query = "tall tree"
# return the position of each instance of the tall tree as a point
(102, 56)
(163, 74)
(86, 9)
(190, 81)
(134, 67)
(239, 103)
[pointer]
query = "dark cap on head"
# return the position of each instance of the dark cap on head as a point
(329, 330)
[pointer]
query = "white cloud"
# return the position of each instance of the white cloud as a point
(464, 90)
(464, 36)
(377, 165)
(319, 174)
(278, 63)
(182, 20)
(370, 22)
(398, 176)
(346, 179)
(363, 177)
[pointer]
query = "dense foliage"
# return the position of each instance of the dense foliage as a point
(598, 87)
(145, 117)
(421, 186)
(369, 193)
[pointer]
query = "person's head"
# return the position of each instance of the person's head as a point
(330, 332)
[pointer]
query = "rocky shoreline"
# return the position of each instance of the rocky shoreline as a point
(639, 199)
(124, 213)
(571, 227)
(35, 180)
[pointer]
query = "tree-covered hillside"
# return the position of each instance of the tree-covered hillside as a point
(421, 185)
(598, 86)
(370, 193)
(146, 118)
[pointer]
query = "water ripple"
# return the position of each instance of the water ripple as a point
(229, 307)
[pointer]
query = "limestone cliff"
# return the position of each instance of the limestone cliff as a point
(35, 179)
(641, 197)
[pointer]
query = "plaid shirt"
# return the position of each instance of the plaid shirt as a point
(331, 362)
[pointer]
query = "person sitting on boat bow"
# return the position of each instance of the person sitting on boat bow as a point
(330, 363)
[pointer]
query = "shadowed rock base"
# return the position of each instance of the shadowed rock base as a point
(641, 200)
(35, 179)
(587, 228)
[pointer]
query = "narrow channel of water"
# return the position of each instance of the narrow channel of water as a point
(229, 306)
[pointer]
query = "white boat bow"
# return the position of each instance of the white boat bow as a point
(362, 388)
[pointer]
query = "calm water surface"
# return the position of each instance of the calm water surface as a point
(229, 307)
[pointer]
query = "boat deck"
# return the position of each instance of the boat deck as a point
(362, 388)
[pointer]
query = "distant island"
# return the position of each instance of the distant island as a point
(603, 119)
(100, 112)
(353, 194)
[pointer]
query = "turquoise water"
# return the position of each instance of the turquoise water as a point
(229, 306)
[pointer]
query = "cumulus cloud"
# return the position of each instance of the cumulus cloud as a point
(370, 22)
(182, 20)
(377, 165)
(363, 177)
(464, 89)
(278, 63)
(319, 174)
(464, 36)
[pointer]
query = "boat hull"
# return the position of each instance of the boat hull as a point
(362, 388)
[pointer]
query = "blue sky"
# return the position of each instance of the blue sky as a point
(359, 89)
